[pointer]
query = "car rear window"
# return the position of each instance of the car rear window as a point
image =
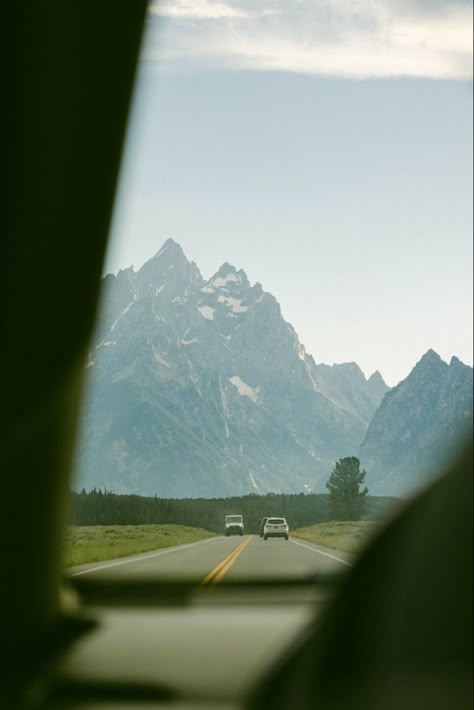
(276, 521)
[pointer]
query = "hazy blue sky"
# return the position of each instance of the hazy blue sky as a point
(325, 148)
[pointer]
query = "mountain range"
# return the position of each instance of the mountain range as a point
(201, 388)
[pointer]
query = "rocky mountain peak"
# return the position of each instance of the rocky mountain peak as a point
(376, 387)
(170, 254)
(418, 425)
(456, 372)
(425, 368)
(228, 276)
(430, 358)
(376, 378)
(455, 364)
(171, 247)
(169, 269)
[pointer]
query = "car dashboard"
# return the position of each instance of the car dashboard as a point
(180, 646)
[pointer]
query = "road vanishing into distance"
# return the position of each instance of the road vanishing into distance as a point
(215, 559)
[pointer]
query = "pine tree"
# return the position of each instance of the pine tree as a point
(346, 499)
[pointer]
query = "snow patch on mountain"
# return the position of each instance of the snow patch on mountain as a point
(233, 303)
(125, 310)
(225, 408)
(189, 342)
(157, 356)
(220, 281)
(105, 343)
(252, 481)
(207, 312)
(244, 389)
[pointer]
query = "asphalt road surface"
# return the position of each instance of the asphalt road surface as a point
(224, 558)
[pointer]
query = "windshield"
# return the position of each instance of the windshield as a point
(285, 327)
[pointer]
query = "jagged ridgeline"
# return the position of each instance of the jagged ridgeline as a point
(201, 388)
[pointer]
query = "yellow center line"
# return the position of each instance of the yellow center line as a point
(216, 574)
(221, 564)
(216, 569)
(229, 564)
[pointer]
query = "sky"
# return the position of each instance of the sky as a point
(325, 147)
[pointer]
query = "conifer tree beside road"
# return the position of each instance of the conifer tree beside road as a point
(346, 499)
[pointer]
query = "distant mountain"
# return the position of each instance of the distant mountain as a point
(418, 425)
(347, 386)
(200, 388)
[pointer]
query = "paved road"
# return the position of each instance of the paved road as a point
(221, 642)
(220, 558)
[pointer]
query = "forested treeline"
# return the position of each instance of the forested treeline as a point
(300, 509)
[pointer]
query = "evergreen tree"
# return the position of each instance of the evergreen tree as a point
(346, 499)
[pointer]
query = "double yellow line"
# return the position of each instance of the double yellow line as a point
(216, 574)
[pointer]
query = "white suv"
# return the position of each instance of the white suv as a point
(276, 527)
(234, 525)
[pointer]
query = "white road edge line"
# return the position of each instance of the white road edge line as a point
(139, 559)
(319, 552)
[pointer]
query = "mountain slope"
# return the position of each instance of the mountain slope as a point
(418, 425)
(201, 388)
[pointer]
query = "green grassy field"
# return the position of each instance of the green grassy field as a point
(344, 535)
(94, 543)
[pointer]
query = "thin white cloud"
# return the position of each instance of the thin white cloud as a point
(346, 38)
(195, 10)
(448, 32)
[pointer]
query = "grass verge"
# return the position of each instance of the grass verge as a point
(348, 536)
(94, 543)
